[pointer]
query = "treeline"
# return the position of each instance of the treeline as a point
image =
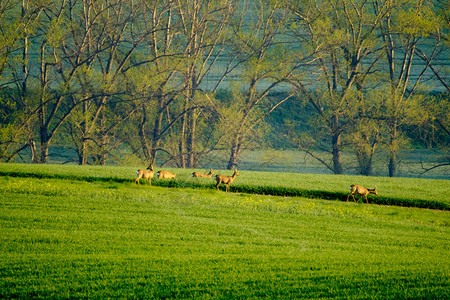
(178, 79)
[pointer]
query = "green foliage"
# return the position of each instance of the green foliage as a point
(56, 33)
(418, 21)
(97, 53)
(71, 239)
(8, 110)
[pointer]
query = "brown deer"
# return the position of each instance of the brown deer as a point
(146, 174)
(165, 174)
(198, 174)
(362, 191)
(225, 180)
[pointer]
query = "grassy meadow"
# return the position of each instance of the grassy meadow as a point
(76, 232)
(415, 192)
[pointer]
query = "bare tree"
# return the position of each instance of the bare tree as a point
(340, 37)
(403, 29)
(204, 27)
(186, 42)
(262, 69)
(15, 42)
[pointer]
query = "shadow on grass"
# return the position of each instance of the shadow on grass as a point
(248, 189)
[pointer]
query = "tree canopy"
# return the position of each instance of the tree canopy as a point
(175, 80)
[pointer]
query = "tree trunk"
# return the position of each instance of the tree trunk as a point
(336, 146)
(83, 152)
(392, 164)
(393, 156)
(43, 127)
(364, 163)
(44, 136)
(156, 137)
(33, 149)
(24, 87)
(84, 136)
(393, 149)
(146, 149)
(182, 144)
(365, 150)
(45, 141)
(191, 140)
(103, 149)
(337, 156)
(234, 154)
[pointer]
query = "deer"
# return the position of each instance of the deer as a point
(225, 179)
(146, 174)
(165, 174)
(362, 191)
(198, 174)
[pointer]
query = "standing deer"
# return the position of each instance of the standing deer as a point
(146, 174)
(165, 174)
(362, 191)
(198, 174)
(225, 180)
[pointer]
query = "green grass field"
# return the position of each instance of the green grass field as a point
(415, 192)
(71, 232)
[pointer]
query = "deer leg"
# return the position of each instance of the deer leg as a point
(136, 181)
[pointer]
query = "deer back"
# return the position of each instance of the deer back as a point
(165, 174)
(362, 190)
(226, 179)
(199, 174)
(144, 174)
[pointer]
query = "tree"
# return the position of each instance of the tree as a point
(265, 64)
(340, 40)
(204, 26)
(155, 78)
(436, 132)
(15, 62)
(186, 42)
(100, 42)
(365, 130)
(409, 28)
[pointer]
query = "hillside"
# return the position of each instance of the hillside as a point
(70, 238)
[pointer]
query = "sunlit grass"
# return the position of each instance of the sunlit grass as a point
(68, 238)
(407, 190)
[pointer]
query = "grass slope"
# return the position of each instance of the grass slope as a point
(66, 238)
(411, 192)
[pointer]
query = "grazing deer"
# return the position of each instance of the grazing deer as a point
(198, 174)
(225, 180)
(165, 174)
(362, 191)
(146, 174)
